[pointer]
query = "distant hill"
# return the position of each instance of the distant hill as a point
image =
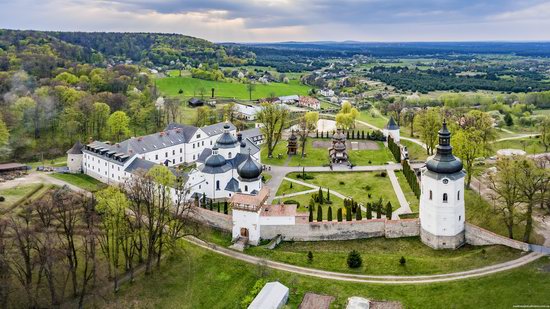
(98, 47)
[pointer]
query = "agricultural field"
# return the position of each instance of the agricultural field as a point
(191, 88)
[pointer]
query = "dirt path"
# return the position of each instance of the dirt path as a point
(484, 271)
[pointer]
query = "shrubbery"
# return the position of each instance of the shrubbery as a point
(354, 259)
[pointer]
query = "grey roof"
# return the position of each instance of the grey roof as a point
(272, 295)
(139, 164)
(215, 160)
(76, 149)
(206, 152)
(215, 170)
(187, 131)
(233, 185)
(217, 128)
(392, 125)
(226, 140)
(254, 132)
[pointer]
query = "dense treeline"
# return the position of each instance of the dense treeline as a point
(432, 80)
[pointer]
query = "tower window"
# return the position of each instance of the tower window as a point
(217, 185)
(445, 198)
(229, 156)
(458, 195)
(245, 188)
(431, 195)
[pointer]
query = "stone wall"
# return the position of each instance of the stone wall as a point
(315, 231)
(212, 218)
(478, 236)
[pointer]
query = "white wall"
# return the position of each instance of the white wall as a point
(249, 220)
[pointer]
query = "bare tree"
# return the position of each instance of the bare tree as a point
(5, 274)
(273, 119)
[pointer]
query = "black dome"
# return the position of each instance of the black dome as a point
(226, 140)
(444, 162)
(249, 169)
(215, 160)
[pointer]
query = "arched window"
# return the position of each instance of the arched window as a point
(229, 156)
(217, 184)
(458, 195)
(245, 188)
(445, 198)
(431, 195)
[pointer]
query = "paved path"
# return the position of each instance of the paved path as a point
(404, 207)
(484, 271)
(520, 136)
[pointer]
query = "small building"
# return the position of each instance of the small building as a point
(74, 158)
(194, 102)
(273, 295)
(337, 152)
(247, 112)
(326, 92)
(246, 215)
(392, 129)
(289, 99)
(292, 148)
(254, 135)
(309, 102)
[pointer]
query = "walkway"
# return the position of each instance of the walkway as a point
(484, 271)
(404, 207)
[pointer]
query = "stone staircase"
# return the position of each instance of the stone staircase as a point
(240, 244)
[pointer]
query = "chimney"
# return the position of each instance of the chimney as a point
(239, 136)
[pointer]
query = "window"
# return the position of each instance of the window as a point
(181, 159)
(181, 150)
(193, 157)
(203, 143)
(459, 218)
(210, 143)
(217, 185)
(431, 195)
(229, 156)
(198, 136)
(245, 188)
(445, 198)
(156, 157)
(193, 145)
(174, 152)
(166, 154)
(458, 195)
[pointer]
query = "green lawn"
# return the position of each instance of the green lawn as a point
(285, 188)
(416, 152)
(409, 195)
(171, 86)
(319, 156)
(197, 278)
(381, 256)
(15, 194)
(57, 162)
(354, 184)
(483, 214)
(530, 145)
(373, 117)
(82, 181)
(304, 199)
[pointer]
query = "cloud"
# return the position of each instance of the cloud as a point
(281, 20)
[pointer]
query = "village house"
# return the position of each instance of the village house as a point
(246, 112)
(309, 102)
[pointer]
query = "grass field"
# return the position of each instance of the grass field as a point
(319, 156)
(171, 85)
(198, 278)
(354, 185)
(381, 256)
(57, 162)
(416, 152)
(530, 145)
(285, 188)
(82, 181)
(13, 195)
(373, 116)
(409, 195)
(304, 199)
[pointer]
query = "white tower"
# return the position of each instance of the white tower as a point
(74, 158)
(392, 129)
(442, 197)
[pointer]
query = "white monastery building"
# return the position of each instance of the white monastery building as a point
(392, 129)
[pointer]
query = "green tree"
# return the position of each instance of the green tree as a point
(545, 132)
(533, 178)
(388, 210)
(429, 123)
(250, 87)
(225, 210)
(329, 214)
(466, 145)
(402, 261)
(310, 214)
(354, 259)
(99, 118)
(320, 198)
(307, 123)
(320, 213)
(310, 257)
(358, 215)
(111, 205)
(339, 215)
(369, 211)
(273, 119)
(119, 125)
(345, 119)
(508, 120)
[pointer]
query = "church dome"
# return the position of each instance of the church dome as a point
(215, 160)
(226, 140)
(444, 162)
(339, 136)
(249, 169)
(339, 146)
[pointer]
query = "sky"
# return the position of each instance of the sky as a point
(292, 20)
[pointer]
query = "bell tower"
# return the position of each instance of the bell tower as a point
(442, 212)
